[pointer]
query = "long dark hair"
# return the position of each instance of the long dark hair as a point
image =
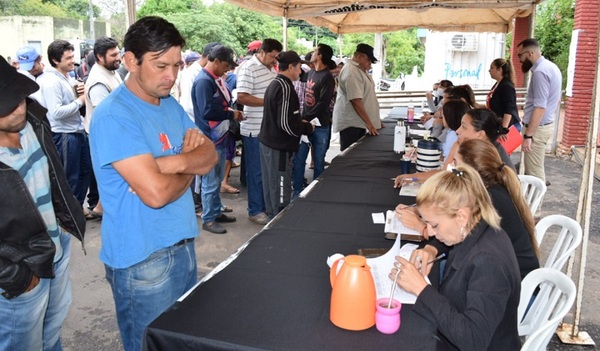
(486, 120)
(507, 69)
(453, 112)
(484, 157)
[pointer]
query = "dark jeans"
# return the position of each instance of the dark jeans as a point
(350, 135)
(74, 152)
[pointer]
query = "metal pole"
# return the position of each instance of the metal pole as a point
(285, 30)
(92, 27)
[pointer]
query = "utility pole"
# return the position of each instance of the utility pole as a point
(92, 26)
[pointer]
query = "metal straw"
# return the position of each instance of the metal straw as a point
(393, 289)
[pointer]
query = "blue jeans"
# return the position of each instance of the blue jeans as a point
(33, 320)
(211, 188)
(319, 140)
(145, 290)
(74, 152)
(256, 201)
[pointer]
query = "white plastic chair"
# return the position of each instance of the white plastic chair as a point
(567, 241)
(533, 189)
(552, 303)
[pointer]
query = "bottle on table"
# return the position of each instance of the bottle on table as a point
(399, 137)
(410, 113)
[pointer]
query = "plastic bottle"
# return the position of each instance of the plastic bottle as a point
(399, 137)
(410, 113)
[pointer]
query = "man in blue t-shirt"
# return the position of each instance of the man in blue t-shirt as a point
(145, 152)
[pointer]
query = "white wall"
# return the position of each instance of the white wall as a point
(461, 67)
(40, 31)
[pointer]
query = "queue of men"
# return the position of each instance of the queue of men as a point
(146, 150)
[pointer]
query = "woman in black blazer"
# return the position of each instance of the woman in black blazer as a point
(502, 98)
(476, 305)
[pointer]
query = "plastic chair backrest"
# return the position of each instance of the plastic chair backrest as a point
(533, 189)
(567, 241)
(553, 301)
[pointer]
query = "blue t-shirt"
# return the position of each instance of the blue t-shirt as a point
(125, 126)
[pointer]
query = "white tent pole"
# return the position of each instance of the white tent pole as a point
(285, 29)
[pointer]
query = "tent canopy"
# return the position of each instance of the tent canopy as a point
(385, 16)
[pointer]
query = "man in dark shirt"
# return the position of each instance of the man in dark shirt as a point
(320, 85)
(280, 133)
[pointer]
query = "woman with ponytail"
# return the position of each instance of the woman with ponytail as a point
(476, 305)
(502, 98)
(504, 189)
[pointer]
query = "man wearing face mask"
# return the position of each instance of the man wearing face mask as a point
(541, 105)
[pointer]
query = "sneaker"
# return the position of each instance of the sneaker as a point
(214, 228)
(223, 218)
(260, 218)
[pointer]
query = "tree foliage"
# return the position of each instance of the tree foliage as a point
(31, 8)
(554, 24)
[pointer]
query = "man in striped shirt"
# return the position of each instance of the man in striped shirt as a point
(254, 77)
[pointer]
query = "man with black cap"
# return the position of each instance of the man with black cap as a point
(280, 133)
(212, 110)
(187, 80)
(37, 213)
(319, 90)
(356, 108)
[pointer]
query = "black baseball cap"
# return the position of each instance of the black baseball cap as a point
(367, 50)
(208, 47)
(289, 57)
(224, 54)
(15, 87)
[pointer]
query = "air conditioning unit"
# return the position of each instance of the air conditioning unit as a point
(463, 42)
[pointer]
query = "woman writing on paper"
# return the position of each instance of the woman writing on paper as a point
(476, 305)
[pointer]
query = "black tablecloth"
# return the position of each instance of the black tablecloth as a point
(276, 294)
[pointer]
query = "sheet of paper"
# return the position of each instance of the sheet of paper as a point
(315, 122)
(410, 189)
(419, 132)
(378, 218)
(394, 225)
(381, 267)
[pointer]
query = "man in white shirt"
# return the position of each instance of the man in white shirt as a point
(254, 76)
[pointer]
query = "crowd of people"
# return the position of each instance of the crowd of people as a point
(149, 135)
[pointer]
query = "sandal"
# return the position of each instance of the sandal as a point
(91, 215)
(229, 190)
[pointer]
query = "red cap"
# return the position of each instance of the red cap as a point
(255, 45)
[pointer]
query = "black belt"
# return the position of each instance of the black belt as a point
(541, 125)
(183, 242)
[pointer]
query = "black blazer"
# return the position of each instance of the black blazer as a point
(504, 100)
(476, 306)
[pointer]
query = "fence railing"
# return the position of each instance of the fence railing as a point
(389, 99)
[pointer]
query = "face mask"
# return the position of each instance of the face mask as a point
(440, 91)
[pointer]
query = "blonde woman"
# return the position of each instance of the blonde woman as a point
(476, 305)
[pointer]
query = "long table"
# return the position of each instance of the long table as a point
(275, 295)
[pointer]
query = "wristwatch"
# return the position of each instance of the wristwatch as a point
(525, 136)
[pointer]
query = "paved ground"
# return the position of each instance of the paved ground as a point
(91, 324)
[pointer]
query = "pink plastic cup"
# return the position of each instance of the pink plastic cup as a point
(387, 320)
